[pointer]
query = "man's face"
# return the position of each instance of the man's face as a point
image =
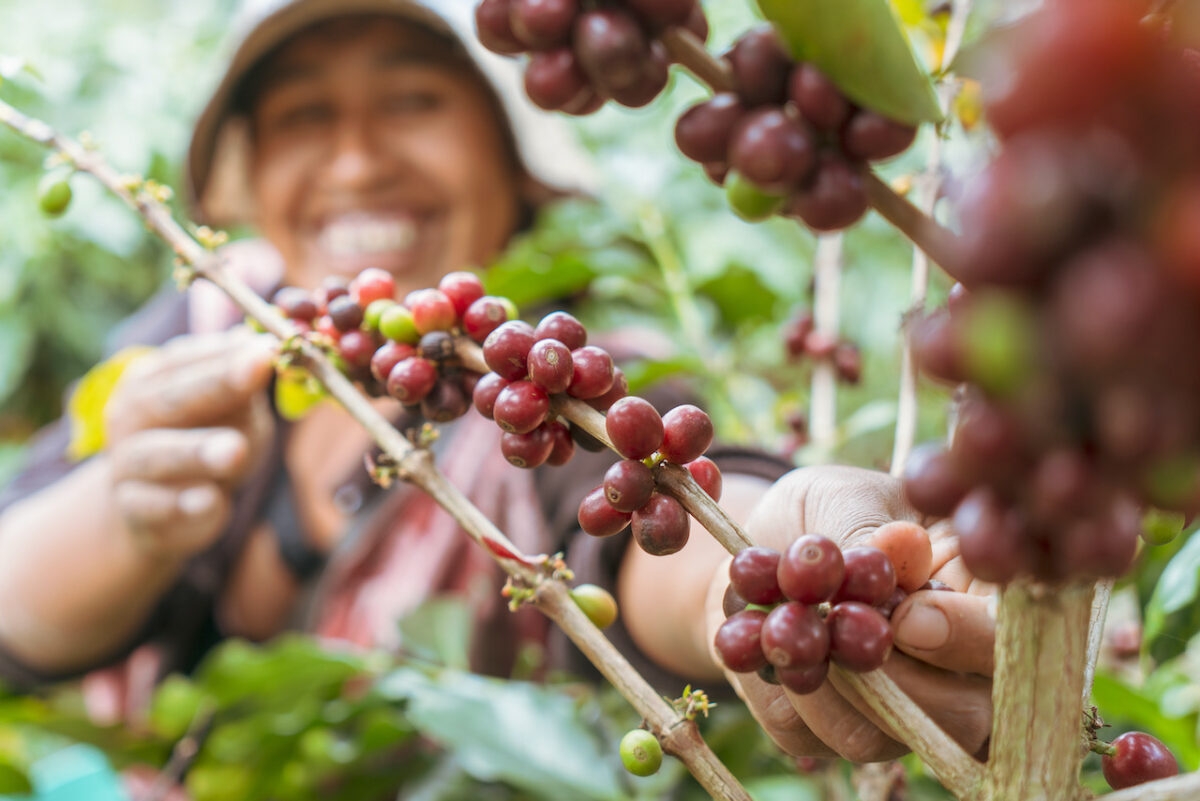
(374, 149)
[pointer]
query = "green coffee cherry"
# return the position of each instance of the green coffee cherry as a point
(748, 201)
(396, 323)
(1000, 348)
(597, 603)
(374, 313)
(510, 308)
(641, 753)
(174, 707)
(1160, 527)
(54, 194)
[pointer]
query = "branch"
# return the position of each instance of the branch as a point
(1176, 788)
(1096, 634)
(414, 465)
(182, 756)
(925, 232)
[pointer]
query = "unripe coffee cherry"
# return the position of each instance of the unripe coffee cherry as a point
(597, 603)
(641, 753)
(54, 194)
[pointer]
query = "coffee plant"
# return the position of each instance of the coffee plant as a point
(1072, 444)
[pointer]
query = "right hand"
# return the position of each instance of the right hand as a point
(183, 427)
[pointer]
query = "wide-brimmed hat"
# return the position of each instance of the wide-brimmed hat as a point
(218, 156)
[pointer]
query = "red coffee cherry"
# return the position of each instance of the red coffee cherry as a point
(527, 450)
(628, 485)
(463, 289)
(521, 407)
(346, 314)
(411, 380)
(357, 348)
(817, 99)
(661, 527)
(794, 635)
(563, 447)
(860, 638)
(1139, 758)
(761, 65)
(871, 136)
(869, 576)
(484, 316)
(752, 575)
(372, 284)
(687, 433)
(432, 310)
(612, 49)
(563, 327)
(707, 475)
(835, 198)
(772, 150)
(662, 13)
(446, 401)
(506, 349)
(550, 365)
(811, 569)
(618, 390)
(592, 372)
(931, 482)
(635, 427)
(542, 24)
(332, 286)
(495, 30)
(437, 346)
(598, 518)
(738, 641)
(388, 356)
(554, 81)
(487, 389)
(803, 680)
(703, 131)
(296, 304)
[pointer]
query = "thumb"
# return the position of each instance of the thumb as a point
(952, 630)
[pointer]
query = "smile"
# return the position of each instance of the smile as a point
(364, 234)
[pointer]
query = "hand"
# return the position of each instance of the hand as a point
(183, 426)
(943, 640)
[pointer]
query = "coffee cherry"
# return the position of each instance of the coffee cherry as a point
(793, 635)
(931, 482)
(432, 310)
(687, 433)
(703, 131)
(462, 288)
(860, 638)
(388, 356)
(332, 286)
(773, 150)
(563, 447)
(54, 194)
(485, 315)
(506, 349)
(437, 346)
(817, 99)
(889, 606)
(611, 48)
(661, 527)
(494, 29)
(446, 401)
(835, 199)
(749, 201)
(752, 575)
(373, 313)
(869, 576)
(803, 680)
(847, 361)
(296, 304)
(938, 348)
(550, 365)
(1139, 758)
(527, 450)
(324, 326)
(731, 602)
(707, 475)
(651, 80)
(641, 753)
(372, 284)
(486, 391)
(716, 171)
(991, 538)
(411, 380)
(592, 372)
(554, 81)
(598, 518)
(597, 603)
(563, 327)
(618, 390)
(628, 485)
(870, 136)
(738, 641)
(396, 323)
(521, 407)
(346, 314)
(542, 24)
(811, 569)
(357, 348)
(662, 13)
(760, 65)
(634, 427)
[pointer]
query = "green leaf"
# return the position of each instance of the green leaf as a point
(12, 779)
(439, 630)
(1120, 703)
(861, 46)
(645, 372)
(1176, 588)
(13, 66)
(740, 296)
(525, 735)
(783, 788)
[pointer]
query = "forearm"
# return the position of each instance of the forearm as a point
(662, 598)
(74, 585)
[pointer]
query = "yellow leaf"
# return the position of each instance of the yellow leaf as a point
(85, 409)
(296, 393)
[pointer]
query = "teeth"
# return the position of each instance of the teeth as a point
(367, 235)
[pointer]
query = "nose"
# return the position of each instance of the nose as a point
(355, 158)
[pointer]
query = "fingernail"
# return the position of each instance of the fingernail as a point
(923, 627)
(220, 450)
(195, 501)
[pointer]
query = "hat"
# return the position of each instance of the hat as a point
(218, 156)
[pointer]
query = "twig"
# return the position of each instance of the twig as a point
(182, 755)
(1176, 788)
(827, 279)
(1096, 634)
(414, 465)
(685, 48)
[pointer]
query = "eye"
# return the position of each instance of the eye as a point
(411, 101)
(303, 115)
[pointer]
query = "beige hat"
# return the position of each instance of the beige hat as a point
(218, 156)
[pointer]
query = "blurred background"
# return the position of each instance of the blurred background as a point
(661, 248)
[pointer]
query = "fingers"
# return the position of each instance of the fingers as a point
(189, 384)
(848, 731)
(170, 455)
(772, 707)
(952, 630)
(172, 520)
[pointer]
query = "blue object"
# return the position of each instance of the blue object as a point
(75, 773)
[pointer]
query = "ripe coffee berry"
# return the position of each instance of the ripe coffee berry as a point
(834, 199)
(446, 401)
(332, 287)
(1139, 758)
(803, 680)
(598, 518)
(542, 24)
(486, 392)
(811, 569)
(495, 30)
(527, 450)
(411, 380)
(628, 485)
(687, 433)
(346, 314)
(817, 99)
(387, 357)
(869, 576)
(432, 310)
(612, 49)
(635, 427)
(773, 150)
(932, 483)
(325, 327)
(554, 81)
(462, 288)
(296, 303)
(761, 65)
(752, 575)
(661, 13)
(372, 284)
(707, 475)
(661, 527)
(521, 407)
(859, 637)
(356, 348)
(738, 641)
(870, 136)
(563, 447)
(703, 131)
(506, 349)
(485, 315)
(437, 346)
(592, 372)
(618, 390)
(563, 327)
(793, 635)
(550, 365)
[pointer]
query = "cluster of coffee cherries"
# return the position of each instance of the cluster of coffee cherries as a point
(628, 496)
(805, 343)
(1081, 264)
(786, 140)
(790, 614)
(583, 53)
